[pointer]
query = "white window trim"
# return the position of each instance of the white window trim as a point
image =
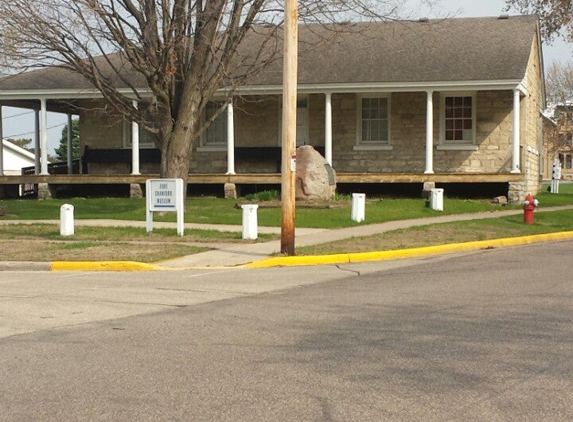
(460, 147)
(127, 137)
(373, 147)
(442, 145)
(370, 145)
(211, 146)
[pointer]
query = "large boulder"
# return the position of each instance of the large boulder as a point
(315, 178)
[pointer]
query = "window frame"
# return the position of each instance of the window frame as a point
(457, 144)
(361, 144)
(145, 139)
(205, 143)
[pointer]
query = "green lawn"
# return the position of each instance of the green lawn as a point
(212, 210)
(42, 242)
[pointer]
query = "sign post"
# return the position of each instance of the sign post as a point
(555, 176)
(164, 195)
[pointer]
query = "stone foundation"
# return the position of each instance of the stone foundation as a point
(44, 191)
(230, 191)
(135, 191)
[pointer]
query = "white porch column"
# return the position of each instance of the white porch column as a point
(43, 137)
(230, 139)
(1, 144)
(70, 156)
(429, 133)
(328, 128)
(134, 144)
(516, 133)
(36, 141)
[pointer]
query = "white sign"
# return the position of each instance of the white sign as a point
(164, 195)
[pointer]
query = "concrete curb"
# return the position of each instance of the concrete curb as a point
(291, 261)
(25, 266)
(103, 266)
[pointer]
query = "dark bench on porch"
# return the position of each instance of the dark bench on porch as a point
(265, 154)
(111, 156)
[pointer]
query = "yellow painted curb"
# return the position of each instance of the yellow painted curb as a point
(103, 266)
(292, 261)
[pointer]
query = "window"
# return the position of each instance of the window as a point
(458, 119)
(216, 133)
(145, 138)
(373, 121)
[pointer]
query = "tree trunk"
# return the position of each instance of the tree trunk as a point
(176, 150)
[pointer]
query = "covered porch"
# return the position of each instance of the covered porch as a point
(336, 150)
(51, 184)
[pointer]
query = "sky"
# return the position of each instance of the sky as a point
(19, 123)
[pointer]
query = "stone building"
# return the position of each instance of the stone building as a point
(558, 141)
(450, 101)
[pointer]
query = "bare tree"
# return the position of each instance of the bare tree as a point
(559, 91)
(181, 51)
(555, 15)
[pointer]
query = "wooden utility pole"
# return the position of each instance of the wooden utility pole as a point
(288, 167)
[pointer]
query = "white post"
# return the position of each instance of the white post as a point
(134, 144)
(1, 144)
(70, 156)
(328, 128)
(250, 224)
(429, 133)
(36, 141)
(66, 220)
(43, 137)
(516, 133)
(357, 212)
(230, 139)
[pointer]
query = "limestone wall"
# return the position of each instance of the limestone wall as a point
(408, 136)
(99, 129)
(531, 106)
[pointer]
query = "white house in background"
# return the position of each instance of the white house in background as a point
(15, 158)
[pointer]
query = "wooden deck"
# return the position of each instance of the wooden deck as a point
(267, 178)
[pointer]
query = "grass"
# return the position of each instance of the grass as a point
(445, 233)
(225, 211)
(42, 242)
(48, 251)
(52, 232)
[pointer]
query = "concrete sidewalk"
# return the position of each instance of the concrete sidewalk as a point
(234, 255)
(258, 254)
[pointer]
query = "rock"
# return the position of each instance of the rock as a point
(315, 178)
(501, 200)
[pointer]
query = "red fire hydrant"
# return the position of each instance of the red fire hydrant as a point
(528, 207)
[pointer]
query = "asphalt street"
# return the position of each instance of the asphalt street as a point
(481, 336)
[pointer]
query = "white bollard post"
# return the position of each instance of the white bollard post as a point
(66, 220)
(358, 206)
(437, 199)
(556, 175)
(250, 226)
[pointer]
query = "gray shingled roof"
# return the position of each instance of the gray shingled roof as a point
(462, 49)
